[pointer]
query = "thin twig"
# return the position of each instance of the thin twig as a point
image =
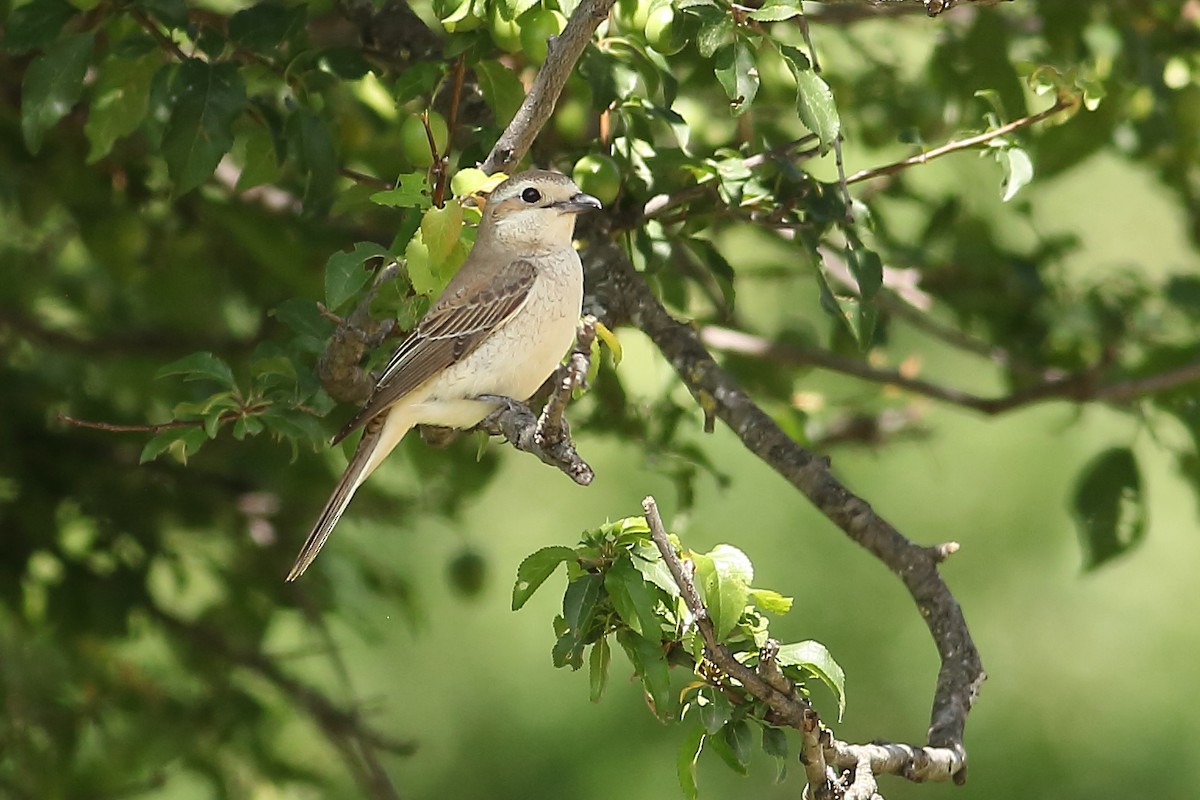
(164, 41)
(1062, 104)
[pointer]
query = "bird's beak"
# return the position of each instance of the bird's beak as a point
(578, 203)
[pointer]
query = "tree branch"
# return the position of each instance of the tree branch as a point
(819, 748)
(1062, 104)
(535, 111)
(617, 294)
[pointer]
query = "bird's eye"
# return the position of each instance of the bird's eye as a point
(531, 195)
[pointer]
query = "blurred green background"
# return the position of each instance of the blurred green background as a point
(148, 646)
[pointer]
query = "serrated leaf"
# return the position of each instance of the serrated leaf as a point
(737, 72)
(1109, 506)
(814, 657)
(685, 762)
(120, 100)
(310, 140)
(579, 605)
(53, 83)
(304, 318)
(867, 269)
(208, 98)
(259, 161)
(264, 25)
(199, 366)
(598, 661)
(740, 739)
(1018, 171)
(713, 34)
(814, 98)
(771, 601)
(632, 598)
(723, 576)
(650, 661)
(649, 562)
(412, 191)
(418, 80)
(776, 12)
(501, 88)
(715, 711)
(534, 571)
(35, 24)
(417, 267)
(345, 275)
(440, 230)
(182, 443)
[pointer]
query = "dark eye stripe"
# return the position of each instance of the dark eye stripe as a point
(531, 195)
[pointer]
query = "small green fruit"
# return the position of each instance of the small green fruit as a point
(468, 573)
(506, 33)
(599, 176)
(666, 32)
(536, 29)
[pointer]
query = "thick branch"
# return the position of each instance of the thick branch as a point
(535, 111)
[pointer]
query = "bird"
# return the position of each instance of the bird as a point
(497, 331)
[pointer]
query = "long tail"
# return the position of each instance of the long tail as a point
(379, 438)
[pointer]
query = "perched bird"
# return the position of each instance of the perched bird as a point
(500, 328)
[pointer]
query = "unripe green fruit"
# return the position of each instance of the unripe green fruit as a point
(536, 29)
(666, 32)
(631, 15)
(506, 33)
(599, 176)
(414, 143)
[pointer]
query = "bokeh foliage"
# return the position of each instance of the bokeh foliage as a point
(180, 184)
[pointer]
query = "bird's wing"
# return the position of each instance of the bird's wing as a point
(453, 327)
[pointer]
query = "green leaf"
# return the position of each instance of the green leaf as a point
(418, 80)
(598, 662)
(310, 139)
(814, 657)
(412, 191)
(199, 366)
(181, 442)
(344, 273)
(771, 601)
(35, 24)
(208, 99)
(1018, 171)
(259, 159)
(534, 571)
(685, 762)
(501, 88)
(713, 34)
(867, 269)
(440, 230)
(172, 13)
(633, 598)
(579, 603)
(740, 739)
(650, 662)
(715, 711)
(263, 26)
(724, 576)
(775, 744)
(814, 98)
(737, 73)
(120, 100)
(649, 562)
(52, 85)
(776, 11)
(1109, 506)
(305, 320)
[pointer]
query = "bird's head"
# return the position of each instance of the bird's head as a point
(534, 210)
